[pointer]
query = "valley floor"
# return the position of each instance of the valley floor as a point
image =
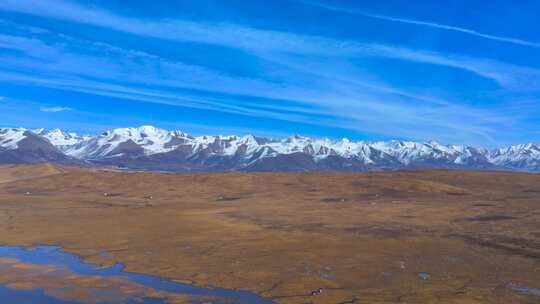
(389, 237)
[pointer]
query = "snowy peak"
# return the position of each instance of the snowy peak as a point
(148, 147)
(59, 138)
(518, 157)
(22, 146)
(530, 149)
(409, 152)
(10, 137)
(145, 140)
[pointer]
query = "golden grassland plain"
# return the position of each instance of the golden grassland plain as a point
(361, 237)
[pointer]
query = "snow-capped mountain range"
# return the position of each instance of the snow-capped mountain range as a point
(150, 148)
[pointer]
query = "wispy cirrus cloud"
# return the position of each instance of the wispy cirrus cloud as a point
(55, 109)
(426, 24)
(363, 113)
(266, 43)
(323, 95)
(80, 68)
(457, 29)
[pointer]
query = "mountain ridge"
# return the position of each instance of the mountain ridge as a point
(151, 148)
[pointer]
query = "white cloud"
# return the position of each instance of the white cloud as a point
(458, 29)
(318, 80)
(267, 43)
(322, 91)
(427, 24)
(55, 109)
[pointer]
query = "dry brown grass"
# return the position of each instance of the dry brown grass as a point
(362, 237)
(9, 173)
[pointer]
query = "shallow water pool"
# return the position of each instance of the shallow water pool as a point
(46, 275)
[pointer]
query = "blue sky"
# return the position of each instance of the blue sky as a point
(452, 71)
